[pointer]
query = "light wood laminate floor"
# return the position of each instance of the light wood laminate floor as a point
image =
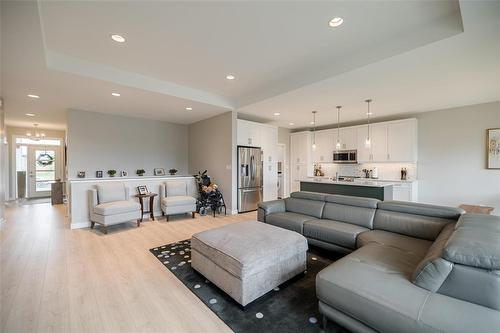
(54, 279)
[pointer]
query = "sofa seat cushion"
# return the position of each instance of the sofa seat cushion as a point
(181, 200)
(414, 246)
(246, 248)
(339, 233)
(289, 220)
(117, 207)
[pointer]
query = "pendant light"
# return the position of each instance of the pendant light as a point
(368, 140)
(337, 145)
(314, 130)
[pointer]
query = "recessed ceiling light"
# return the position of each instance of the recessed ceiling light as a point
(33, 96)
(30, 114)
(118, 38)
(277, 113)
(291, 124)
(189, 108)
(336, 22)
(230, 77)
(116, 94)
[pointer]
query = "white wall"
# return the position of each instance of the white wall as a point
(452, 156)
(99, 141)
(212, 147)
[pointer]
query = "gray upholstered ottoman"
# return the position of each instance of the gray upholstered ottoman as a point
(248, 259)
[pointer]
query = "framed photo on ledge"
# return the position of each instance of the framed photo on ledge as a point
(159, 172)
(143, 190)
(493, 148)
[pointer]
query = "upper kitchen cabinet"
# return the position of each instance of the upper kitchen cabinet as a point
(248, 133)
(300, 148)
(348, 138)
(325, 145)
(378, 136)
(402, 141)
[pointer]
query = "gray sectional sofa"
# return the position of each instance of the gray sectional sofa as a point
(409, 267)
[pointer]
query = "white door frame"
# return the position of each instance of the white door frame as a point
(31, 167)
(13, 147)
(284, 171)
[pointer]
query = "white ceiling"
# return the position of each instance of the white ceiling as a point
(409, 56)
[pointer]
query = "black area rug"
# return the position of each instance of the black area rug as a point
(292, 307)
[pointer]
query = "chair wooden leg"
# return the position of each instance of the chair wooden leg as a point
(138, 222)
(324, 321)
(92, 224)
(104, 229)
(167, 218)
(162, 213)
(192, 214)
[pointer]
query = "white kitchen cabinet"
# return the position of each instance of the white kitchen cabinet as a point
(402, 141)
(378, 135)
(405, 191)
(269, 141)
(248, 133)
(300, 148)
(364, 153)
(298, 172)
(324, 147)
(348, 138)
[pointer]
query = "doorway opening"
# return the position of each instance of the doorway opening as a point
(38, 164)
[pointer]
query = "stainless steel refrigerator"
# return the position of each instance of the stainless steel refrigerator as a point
(249, 178)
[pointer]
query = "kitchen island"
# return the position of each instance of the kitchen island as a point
(359, 188)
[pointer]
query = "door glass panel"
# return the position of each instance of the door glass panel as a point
(45, 169)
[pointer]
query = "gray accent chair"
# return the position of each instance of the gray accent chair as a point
(178, 196)
(413, 268)
(110, 204)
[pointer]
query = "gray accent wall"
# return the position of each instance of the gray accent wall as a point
(98, 141)
(212, 147)
(452, 156)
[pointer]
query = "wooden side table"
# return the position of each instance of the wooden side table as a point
(477, 209)
(151, 197)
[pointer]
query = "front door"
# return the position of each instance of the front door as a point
(43, 169)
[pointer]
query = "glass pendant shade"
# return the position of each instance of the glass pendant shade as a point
(314, 130)
(337, 146)
(368, 141)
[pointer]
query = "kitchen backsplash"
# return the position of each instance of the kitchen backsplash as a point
(389, 171)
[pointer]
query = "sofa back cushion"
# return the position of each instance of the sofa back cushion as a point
(176, 188)
(354, 210)
(307, 203)
(109, 192)
(413, 219)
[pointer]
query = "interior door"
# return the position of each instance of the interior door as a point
(43, 169)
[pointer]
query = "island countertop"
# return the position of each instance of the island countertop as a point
(356, 182)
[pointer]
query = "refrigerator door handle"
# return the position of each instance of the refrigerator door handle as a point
(252, 167)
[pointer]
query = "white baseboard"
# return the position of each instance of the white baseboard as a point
(234, 212)
(80, 225)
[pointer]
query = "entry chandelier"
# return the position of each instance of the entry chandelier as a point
(36, 135)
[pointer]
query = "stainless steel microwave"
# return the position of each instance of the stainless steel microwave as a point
(345, 156)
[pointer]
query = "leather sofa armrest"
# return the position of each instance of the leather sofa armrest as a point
(93, 200)
(269, 207)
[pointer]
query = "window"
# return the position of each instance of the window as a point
(41, 142)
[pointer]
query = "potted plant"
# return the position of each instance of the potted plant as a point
(172, 171)
(111, 173)
(140, 172)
